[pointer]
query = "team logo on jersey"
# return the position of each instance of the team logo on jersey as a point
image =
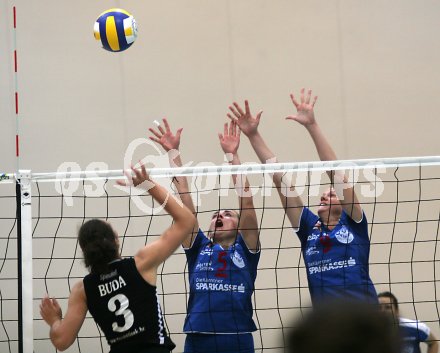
(311, 251)
(344, 236)
(204, 266)
(312, 237)
(237, 260)
(206, 251)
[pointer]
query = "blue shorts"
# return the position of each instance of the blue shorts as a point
(220, 343)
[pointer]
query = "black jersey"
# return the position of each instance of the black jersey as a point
(126, 308)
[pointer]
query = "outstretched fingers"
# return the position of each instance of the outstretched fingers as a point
(143, 171)
(135, 177)
(137, 174)
(128, 181)
(167, 126)
(155, 139)
(246, 107)
(140, 174)
(294, 101)
(238, 108)
(304, 98)
(232, 118)
(309, 95)
(155, 133)
(179, 132)
(161, 129)
(234, 111)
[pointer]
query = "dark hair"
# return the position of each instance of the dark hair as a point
(392, 297)
(98, 243)
(344, 327)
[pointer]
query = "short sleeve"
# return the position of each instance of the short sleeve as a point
(191, 253)
(415, 328)
(252, 256)
(423, 331)
(361, 228)
(306, 224)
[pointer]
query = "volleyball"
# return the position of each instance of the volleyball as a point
(116, 29)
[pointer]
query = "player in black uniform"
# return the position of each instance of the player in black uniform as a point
(121, 293)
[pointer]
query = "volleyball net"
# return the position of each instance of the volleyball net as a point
(41, 214)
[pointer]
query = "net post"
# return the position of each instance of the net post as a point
(24, 263)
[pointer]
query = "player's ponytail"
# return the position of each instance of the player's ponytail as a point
(98, 243)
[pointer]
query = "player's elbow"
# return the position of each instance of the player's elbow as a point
(185, 222)
(61, 343)
(61, 347)
(188, 223)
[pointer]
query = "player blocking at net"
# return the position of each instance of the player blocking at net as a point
(223, 264)
(334, 243)
(121, 293)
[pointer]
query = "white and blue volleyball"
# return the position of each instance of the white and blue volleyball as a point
(116, 29)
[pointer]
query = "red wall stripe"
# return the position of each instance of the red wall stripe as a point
(17, 140)
(17, 151)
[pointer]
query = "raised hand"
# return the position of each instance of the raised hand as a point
(137, 177)
(305, 114)
(50, 310)
(166, 138)
(230, 139)
(244, 119)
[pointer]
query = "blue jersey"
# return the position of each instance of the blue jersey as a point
(336, 260)
(413, 332)
(221, 286)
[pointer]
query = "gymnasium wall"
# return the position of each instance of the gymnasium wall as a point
(374, 66)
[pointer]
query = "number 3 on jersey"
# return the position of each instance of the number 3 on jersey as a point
(122, 311)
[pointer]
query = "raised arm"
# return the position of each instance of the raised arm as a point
(306, 117)
(64, 331)
(170, 143)
(248, 225)
(152, 255)
(248, 123)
